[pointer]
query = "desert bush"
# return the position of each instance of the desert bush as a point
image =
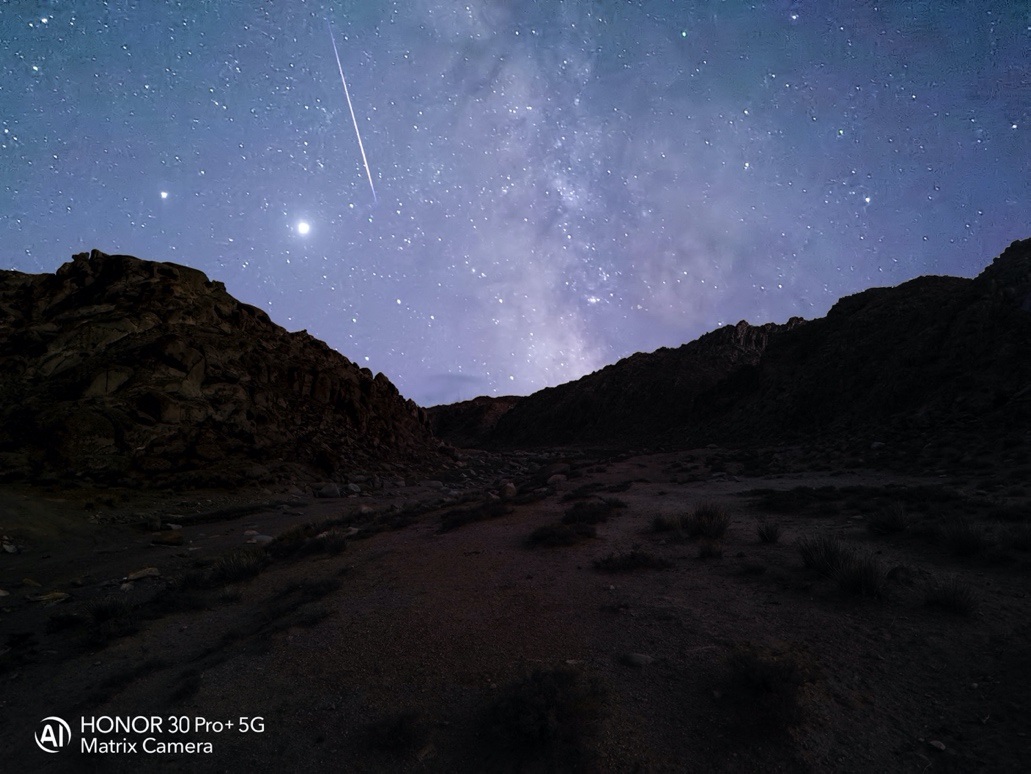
(314, 538)
(239, 565)
(581, 492)
(950, 594)
(708, 520)
(861, 575)
(545, 722)
(459, 517)
(888, 520)
(628, 562)
(592, 512)
(822, 553)
(964, 537)
(767, 531)
(560, 535)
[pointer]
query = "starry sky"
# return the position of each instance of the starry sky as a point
(551, 184)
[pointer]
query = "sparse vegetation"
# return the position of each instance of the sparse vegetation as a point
(630, 561)
(861, 575)
(709, 521)
(767, 531)
(822, 553)
(560, 535)
(459, 517)
(950, 594)
(593, 511)
(887, 521)
(315, 538)
(546, 722)
(964, 538)
(239, 565)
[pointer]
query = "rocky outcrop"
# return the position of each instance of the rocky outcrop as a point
(118, 369)
(468, 422)
(933, 355)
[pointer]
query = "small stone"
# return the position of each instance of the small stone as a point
(937, 745)
(328, 490)
(508, 491)
(250, 532)
(127, 586)
(261, 539)
(354, 489)
(638, 660)
(434, 484)
(52, 598)
(4, 593)
(146, 572)
(168, 538)
(30, 582)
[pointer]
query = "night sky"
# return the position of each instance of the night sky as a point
(557, 184)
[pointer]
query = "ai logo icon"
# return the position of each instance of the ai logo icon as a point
(54, 735)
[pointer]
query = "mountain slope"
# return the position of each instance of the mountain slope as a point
(931, 353)
(119, 369)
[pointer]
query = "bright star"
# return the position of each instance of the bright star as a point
(303, 227)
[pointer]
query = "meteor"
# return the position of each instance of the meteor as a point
(350, 107)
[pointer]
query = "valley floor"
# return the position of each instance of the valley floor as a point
(687, 611)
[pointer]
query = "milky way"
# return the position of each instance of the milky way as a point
(560, 183)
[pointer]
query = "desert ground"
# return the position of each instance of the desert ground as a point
(765, 609)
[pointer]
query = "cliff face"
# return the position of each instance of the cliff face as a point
(931, 354)
(119, 369)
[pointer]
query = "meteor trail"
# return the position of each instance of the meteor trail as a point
(350, 107)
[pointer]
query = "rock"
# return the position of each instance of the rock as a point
(30, 582)
(328, 490)
(4, 593)
(146, 572)
(53, 598)
(354, 489)
(129, 371)
(433, 484)
(558, 478)
(261, 539)
(509, 490)
(168, 537)
(936, 744)
(638, 660)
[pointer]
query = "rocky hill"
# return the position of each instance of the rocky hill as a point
(932, 354)
(121, 370)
